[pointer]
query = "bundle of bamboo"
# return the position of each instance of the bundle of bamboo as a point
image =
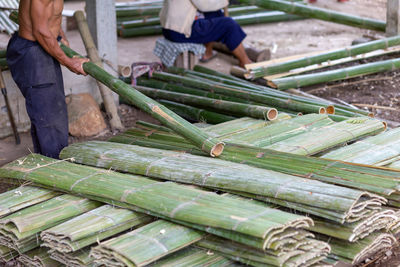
(18, 230)
(294, 255)
(192, 256)
(79, 258)
(7, 254)
(232, 219)
(346, 204)
(131, 249)
(91, 227)
(37, 258)
(379, 150)
(23, 197)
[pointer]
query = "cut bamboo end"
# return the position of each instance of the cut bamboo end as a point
(299, 114)
(330, 109)
(272, 114)
(217, 149)
(248, 76)
(272, 84)
(238, 71)
(372, 115)
(322, 110)
(385, 125)
(124, 71)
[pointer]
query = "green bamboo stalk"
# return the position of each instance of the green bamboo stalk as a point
(258, 112)
(339, 108)
(37, 258)
(7, 254)
(195, 114)
(350, 51)
(135, 11)
(157, 197)
(319, 13)
(3, 63)
(3, 53)
(148, 125)
(241, 93)
(144, 245)
(218, 174)
(23, 197)
(329, 136)
(371, 150)
(140, 31)
(165, 116)
(192, 256)
(91, 227)
(334, 75)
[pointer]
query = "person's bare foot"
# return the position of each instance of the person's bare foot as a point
(242, 64)
(208, 56)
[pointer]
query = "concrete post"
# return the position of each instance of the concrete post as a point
(393, 17)
(102, 21)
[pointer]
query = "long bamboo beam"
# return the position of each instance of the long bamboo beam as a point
(319, 13)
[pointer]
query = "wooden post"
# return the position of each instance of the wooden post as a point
(393, 17)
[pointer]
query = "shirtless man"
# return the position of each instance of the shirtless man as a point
(34, 57)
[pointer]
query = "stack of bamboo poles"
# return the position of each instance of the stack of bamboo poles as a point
(273, 225)
(38, 257)
(142, 19)
(229, 96)
(287, 73)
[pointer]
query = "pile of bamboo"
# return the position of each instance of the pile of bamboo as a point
(140, 19)
(262, 229)
(293, 72)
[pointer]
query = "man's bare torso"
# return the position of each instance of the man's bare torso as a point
(25, 21)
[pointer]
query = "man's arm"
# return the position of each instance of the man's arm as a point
(41, 12)
(64, 39)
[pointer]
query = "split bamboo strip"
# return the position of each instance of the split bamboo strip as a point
(304, 252)
(7, 254)
(144, 245)
(220, 174)
(79, 258)
(335, 75)
(326, 137)
(258, 112)
(371, 150)
(380, 181)
(195, 114)
(165, 116)
(192, 256)
(91, 227)
(282, 130)
(350, 51)
(37, 258)
(22, 197)
(241, 93)
(223, 216)
(318, 13)
(19, 230)
(355, 253)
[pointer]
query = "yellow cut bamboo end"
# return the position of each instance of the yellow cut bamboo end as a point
(125, 71)
(372, 115)
(272, 84)
(385, 125)
(272, 114)
(217, 149)
(330, 109)
(322, 110)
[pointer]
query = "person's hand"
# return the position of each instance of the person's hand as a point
(64, 41)
(76, 65)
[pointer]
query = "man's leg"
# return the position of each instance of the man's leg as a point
(240, 53)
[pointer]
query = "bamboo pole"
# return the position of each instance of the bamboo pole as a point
(351, 51)
(258, 112)
(165, 116)
(319, 13)
(106, 94)
(335, 75)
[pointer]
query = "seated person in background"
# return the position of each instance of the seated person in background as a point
(181, 24)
